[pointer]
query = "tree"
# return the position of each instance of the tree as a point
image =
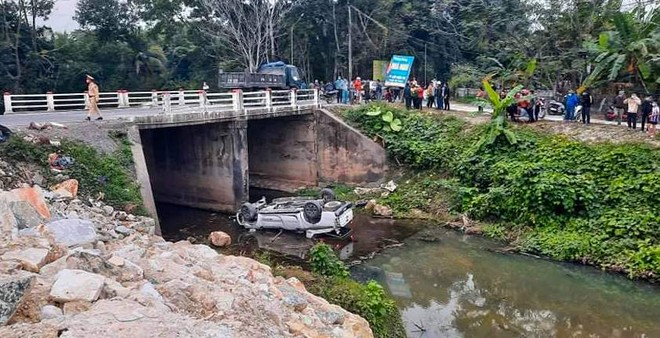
(633, 47)
(109, 19)
(247, 28)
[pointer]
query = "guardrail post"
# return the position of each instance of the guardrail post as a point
(237, 100)
(127, 100)
(166, 102)
(294, 98)
(50, 101)
(7, 100)
(202, 98)
(269, 99)
(120, 99)
(86, 95)
(317, 98)
(154, 97)
(182, 97)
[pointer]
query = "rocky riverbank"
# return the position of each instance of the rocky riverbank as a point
(74, 268)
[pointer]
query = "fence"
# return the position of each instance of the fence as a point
(169, 101)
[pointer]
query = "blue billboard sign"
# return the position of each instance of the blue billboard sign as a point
(399, 70)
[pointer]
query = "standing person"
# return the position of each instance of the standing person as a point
(646, 109)
(430, 97)
(93, 93)
(654, 119)
(344, 91)
(379, 90)
(445, 95)
(357, 84)
(619, 106)
(481, 95)
(633, 103)
(439, 102)
(420, 96)
(407, 95)
(338, 88)
(571, 103)
(586, 100)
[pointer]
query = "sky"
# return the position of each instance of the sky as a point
(61, 19)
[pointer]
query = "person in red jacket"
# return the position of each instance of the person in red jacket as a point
(357, 84)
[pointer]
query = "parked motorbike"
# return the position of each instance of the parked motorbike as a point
(610, 114)
(555, 108)
(330, 96)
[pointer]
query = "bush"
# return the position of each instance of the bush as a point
(366, 300)
(595, 203)
(110, 174)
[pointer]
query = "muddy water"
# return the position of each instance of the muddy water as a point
(460, 286)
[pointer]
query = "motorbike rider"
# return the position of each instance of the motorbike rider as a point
(586, 100)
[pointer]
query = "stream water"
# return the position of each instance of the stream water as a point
(451, 285)
(461, 286)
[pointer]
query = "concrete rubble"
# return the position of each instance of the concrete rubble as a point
(70, 268)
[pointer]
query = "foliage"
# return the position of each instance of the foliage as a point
(594, 203)
(109, 174)
(498, 125)
(325, 262)
(384, 120)
(366, 300)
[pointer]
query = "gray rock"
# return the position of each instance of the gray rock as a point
(331, 317)
(26, 216)
(295, 300)
(72, 232)
(32, 259)
(77, 285)
(38, 179)
(148, 290)
(113, 289)
(51, 312)
(12, 292)
(224, 301)
(108, 210)
(124, 230)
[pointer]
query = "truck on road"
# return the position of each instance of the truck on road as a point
(274, 75)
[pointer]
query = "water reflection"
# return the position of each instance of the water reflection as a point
(460, 287)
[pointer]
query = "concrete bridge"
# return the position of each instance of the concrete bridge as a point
(207, 152)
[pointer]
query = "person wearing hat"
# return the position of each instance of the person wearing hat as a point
(93, 93)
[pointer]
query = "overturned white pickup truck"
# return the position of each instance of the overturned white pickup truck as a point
(312, 215)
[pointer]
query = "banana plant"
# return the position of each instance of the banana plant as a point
(387, 122)
(498, 125)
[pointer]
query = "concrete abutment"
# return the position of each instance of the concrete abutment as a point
(212, 165)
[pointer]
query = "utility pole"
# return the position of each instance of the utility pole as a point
(291, 36)
(425, 64)
(350, 43)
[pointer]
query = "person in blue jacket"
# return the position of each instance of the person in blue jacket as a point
(571, 102)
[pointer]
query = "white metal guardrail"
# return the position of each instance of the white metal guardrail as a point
(169, 101)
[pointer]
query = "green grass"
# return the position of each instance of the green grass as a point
(110, 174)
(594, 203)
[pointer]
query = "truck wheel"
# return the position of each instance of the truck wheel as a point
(249, 212)
(312, 211)
(327, 195)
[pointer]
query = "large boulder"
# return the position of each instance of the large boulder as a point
(77, 285)
(72, 232)
(13, 290)
(31, 259)
(219, 239)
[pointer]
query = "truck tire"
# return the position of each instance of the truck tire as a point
(249, 212)
(312, 211)
(327, 195)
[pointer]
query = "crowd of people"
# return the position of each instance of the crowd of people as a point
(632, 106)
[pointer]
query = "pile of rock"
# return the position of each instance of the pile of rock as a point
(70, 268)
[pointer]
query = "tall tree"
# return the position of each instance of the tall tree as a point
(109, 19)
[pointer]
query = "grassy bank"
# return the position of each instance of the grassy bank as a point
(329, 278)
(109, 174)
(590, 203)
